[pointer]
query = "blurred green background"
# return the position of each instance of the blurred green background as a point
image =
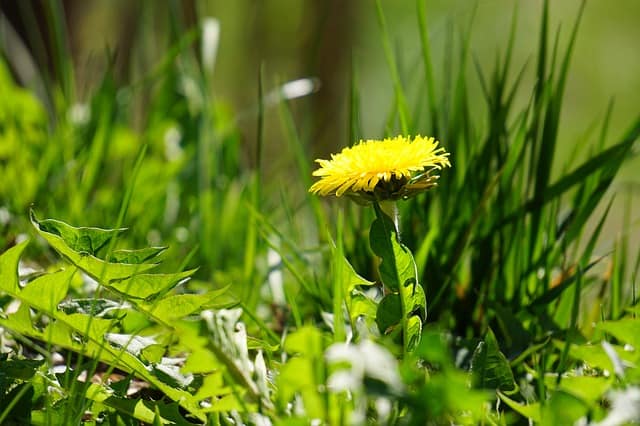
(304, 38)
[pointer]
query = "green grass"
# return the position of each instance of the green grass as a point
(237, 296)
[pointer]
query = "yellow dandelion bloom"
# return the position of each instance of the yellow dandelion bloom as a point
(376, 170)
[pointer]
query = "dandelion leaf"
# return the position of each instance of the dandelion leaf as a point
(135, 256)
(86, 240)
(399, 275)
(75, 252)
(490, 368)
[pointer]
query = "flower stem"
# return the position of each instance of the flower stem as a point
(390, 208)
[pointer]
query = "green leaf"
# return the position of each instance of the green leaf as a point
(9, 268)
(389, 312)
(48, 290)
(12, 370)
(153, 353)
(397, 267)
(85, 240)
(145, 286)
(530, 411)
(590, 389)
(305, 341)
(177, 306)
(563, 408)
(135, 256)
(400, 276)
(75, 331)
(98, 269)
(626, 330)
(490, 368)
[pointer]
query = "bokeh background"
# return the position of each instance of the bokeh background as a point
(324, 39)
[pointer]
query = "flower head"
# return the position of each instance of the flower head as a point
(375, 170)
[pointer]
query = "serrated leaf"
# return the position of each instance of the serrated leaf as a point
(9, 268)
(389, 312)
(399, 275)
(397, 266)
(48, 290)
(98, 269)
(135, 256)
(145, 286)
(76, 331)
(362, 306)
(177, 306)
(490, 368)
(85, 240)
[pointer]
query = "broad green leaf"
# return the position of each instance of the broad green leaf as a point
(595, 356)
(48, 290)
(70, 332)
(213, 386)
(490, 368)
(200, 361)
(589, 389)
(563, 408)
(98, 269)
(362, 305)
(397, 267)
(351, 278)
(78, 332)
(176, 306)
(13, 370)
(145, 286)
(9, 268)
(84, 240)
(228, 403)
(135, 256)
(307, 341)
(389, 312)
(626, 330)
(530, 411)
(153, 353)
(357, 303)
(298, 376)
(414, 328)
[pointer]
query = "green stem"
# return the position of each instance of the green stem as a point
(390, 208)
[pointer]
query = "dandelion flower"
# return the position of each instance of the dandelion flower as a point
(375, 170)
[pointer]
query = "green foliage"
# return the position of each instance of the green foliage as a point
(82, 327)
